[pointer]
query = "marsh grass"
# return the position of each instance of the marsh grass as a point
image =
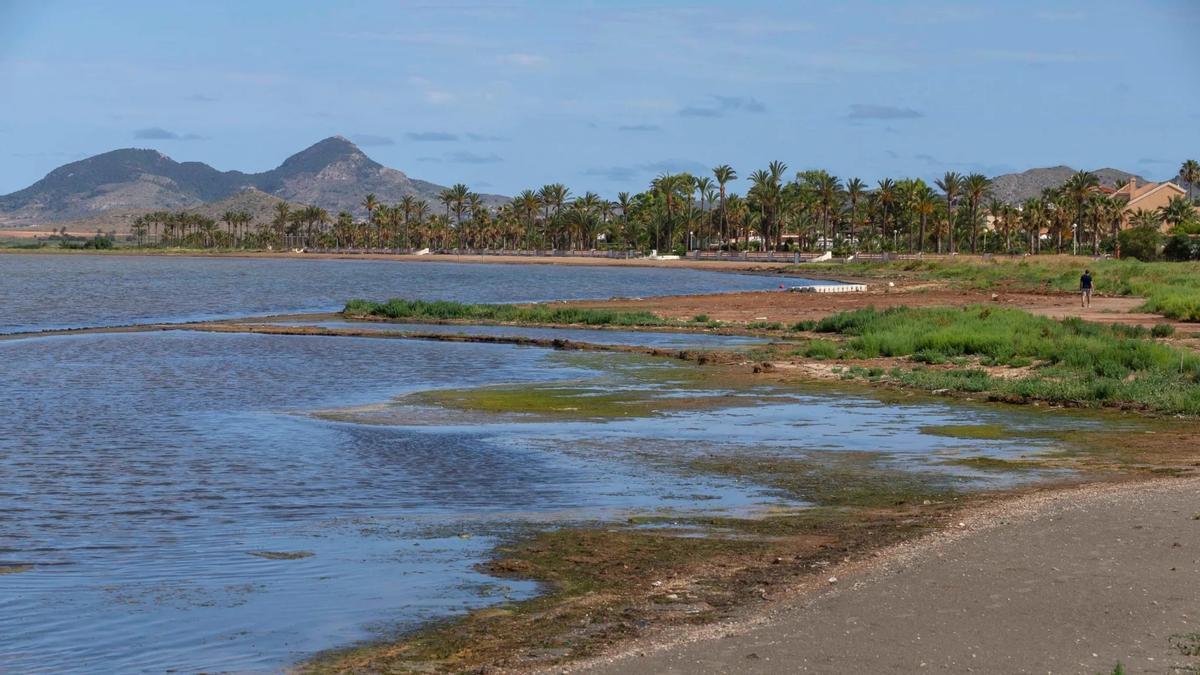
(442, 310)
(1066, 361)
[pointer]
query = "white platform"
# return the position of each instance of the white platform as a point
(839, 288)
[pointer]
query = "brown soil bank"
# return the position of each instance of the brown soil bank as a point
(1067, 582)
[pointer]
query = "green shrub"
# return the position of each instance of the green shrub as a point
(1162, 330)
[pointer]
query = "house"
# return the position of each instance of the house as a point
(1145, 197)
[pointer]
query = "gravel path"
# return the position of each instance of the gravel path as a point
(1064, 582)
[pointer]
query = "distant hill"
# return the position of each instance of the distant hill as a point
(1017, 187)
(333, 174)
(260, 206)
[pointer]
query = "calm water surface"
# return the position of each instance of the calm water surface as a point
(140, 474)
(69, 291)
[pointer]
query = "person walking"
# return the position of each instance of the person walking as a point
(1085, 289)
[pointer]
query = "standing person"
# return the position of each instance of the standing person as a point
(1085, 289)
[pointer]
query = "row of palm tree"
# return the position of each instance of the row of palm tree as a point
(808, 210)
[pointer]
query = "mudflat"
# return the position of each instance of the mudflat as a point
(1070, 581)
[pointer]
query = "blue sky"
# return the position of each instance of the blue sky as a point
(604, 96)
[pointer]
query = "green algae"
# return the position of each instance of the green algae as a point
(560, 401)
(836, 479)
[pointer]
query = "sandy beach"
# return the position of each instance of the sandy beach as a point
(1065, 581)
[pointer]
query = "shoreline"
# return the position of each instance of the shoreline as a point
(734, 266)
(809, 603)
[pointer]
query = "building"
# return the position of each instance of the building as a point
(1145, 197)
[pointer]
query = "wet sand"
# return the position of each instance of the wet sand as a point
(1067, 581)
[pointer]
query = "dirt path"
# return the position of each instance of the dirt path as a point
(1063, 582)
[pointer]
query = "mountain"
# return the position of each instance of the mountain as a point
(1017, 187)
(260, 206)
(333, 174)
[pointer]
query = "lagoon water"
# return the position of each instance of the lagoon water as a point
(172, 503)
(39, 292)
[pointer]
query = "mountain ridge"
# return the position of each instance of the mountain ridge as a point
(332, 173)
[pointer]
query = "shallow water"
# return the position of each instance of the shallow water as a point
(141, 473)
(39, 292)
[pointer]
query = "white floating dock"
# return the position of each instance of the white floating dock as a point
(830, 288)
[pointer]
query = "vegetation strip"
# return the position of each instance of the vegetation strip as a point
(441, 310)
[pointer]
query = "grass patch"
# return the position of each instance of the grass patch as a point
(821, 349)
(1069, 361)
(441, 310)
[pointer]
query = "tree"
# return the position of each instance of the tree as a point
(950, 185)
(672, 189)
(886, 197)
(976, 187)
(1077, 190)
(925, 203)
(855, 189)
(370, 203)
(724, 173)
(1178, 212)
(1141, 242)
(704, 186)
(1190, 173)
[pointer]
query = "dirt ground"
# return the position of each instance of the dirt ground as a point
(787, 307)
(1072, 581)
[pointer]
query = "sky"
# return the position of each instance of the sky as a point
(603, 96)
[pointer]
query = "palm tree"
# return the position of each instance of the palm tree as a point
(282, 215)
(976, 187)
(671, 187)
(998, 210)
(1143, 218)
(704, 186)
(1179, 211)
(950, 184)
(229, 218)
(724, 173)
(885, 199)
(925, 203)
(624, 203)
(1190, 173)
(855, 188)
(370, 203)
(1078, 190)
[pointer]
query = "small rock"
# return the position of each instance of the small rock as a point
(672, 596)
(656, 584)
(833, 580)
